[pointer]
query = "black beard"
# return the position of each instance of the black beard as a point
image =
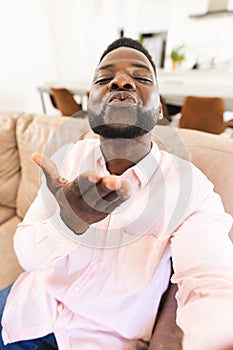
(146, 119)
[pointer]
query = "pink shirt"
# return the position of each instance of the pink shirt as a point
(102, 289)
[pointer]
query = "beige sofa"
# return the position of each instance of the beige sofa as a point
(21, 134)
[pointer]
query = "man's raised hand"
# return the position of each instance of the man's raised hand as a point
(87, 199)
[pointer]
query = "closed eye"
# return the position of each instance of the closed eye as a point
(144, 80)
(103, 81)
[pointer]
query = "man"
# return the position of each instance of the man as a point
(96, 247)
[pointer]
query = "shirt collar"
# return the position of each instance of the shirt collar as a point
(148, 165)
(143, 170)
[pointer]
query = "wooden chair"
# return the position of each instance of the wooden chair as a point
(64, 100)
(165, 109)
(204, 114)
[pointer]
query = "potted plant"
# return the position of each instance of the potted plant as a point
(177, 56)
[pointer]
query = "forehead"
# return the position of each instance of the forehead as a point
(125, 55)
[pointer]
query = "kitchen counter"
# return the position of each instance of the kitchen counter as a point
(175, 85)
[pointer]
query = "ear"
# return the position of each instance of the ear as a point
(160, 111)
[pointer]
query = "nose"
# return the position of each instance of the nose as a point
(122, 82)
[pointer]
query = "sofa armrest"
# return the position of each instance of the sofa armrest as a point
(167, 335)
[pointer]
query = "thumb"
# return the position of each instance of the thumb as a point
(50, 170)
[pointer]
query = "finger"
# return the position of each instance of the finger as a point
(111, 183)
(49, 168)
(106, 206)
(36, 157)
(115, 188)
(124, 190)
(115, 198)
(46, 164)
(109, 189)
(101, 189)
(86, 181)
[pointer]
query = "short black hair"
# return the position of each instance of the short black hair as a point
(128, 42)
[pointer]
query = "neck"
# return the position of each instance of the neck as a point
(121, 154)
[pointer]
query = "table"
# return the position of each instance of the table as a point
(174, 86)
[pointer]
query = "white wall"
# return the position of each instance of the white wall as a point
(81, 30)
(26, 58)
(205, 38)
(46, 40)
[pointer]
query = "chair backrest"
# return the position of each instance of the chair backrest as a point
(65, 102)
(164, 109)
(203, 113)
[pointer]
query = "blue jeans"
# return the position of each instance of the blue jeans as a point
(45, 343)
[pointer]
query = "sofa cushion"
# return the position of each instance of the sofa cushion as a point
(10, 268)
(212, 154)
(42, 133)
(6, 213)
(9, 170)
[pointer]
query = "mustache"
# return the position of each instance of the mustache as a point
(122, 95)
(98, 112)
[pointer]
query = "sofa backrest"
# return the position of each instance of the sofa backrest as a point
(40, 133)
(212, 154)
(9, 160)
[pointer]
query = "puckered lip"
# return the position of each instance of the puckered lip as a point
(122, 96)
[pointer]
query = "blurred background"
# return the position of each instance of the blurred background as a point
(62, 40)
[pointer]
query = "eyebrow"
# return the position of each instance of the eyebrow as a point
(106, 66)
(137, 65)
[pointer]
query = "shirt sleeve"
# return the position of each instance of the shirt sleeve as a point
(43, 238)
(202, 255)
